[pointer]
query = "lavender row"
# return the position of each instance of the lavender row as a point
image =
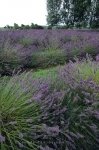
(17, 46)
(37, 114)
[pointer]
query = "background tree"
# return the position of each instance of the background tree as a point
(77, 12)
(97, 14)
(66, 12)
(22, 26)
(80, 15)
(73, 13)
(16, 26)
(53, 9)
(94, 17)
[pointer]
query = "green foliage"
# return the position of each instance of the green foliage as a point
(48, 58)
(53, 8)
(32, 26)
(27, 27)
(8, 27)
(35, 26)
(78, 13)
(16, 26)
(88, 49)
(69, 109)
(26, 41)
(85, 69)
(46, 73)
(22, 26)
(88, 69)
(17, 114)
(94, 19)
(9, 59)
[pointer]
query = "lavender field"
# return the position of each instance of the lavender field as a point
(49, 90)
(44, 48)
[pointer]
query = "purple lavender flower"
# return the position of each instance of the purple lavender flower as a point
(2, 138)
(97, 58)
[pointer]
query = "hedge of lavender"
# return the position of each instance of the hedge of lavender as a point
(35, 114)
(44, 48)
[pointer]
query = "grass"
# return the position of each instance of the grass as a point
(43, 73)
(85, 70)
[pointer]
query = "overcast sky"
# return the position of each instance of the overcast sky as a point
(22, 11)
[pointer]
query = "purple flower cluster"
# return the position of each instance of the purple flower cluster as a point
(26, 43)
(68, 117)
(35, 113)
(50, 38)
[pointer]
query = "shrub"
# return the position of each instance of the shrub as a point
(26, 41)
(18, 115)
(36, 115)
(69, 116)
(9, 59)
(88, 69)
(48, 58)
(88, 49)
(82, 70)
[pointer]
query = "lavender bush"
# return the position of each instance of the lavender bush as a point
(36, 115)
(51, 113)
(84, 69)
(70, 115)
(18, 116)
(28, 45)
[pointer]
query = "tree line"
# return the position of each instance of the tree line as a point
(22, 26)
(73, 13)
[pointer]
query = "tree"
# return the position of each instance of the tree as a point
(94, 21)
(66, 12)
(53, 9)
(22, 26)
(73, 13)
(16, 26)
(80, 12)
(27, 27)
(8, 27)
(32, 25)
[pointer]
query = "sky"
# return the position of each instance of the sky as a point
(22, 12)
